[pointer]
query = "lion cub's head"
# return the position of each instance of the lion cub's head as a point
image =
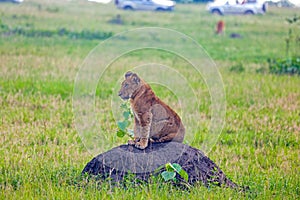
(130, 85)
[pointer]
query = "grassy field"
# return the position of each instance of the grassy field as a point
(42, 46)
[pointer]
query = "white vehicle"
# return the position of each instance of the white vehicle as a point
(14, 1)
(156, 5)
(283, 3)
(223, 7)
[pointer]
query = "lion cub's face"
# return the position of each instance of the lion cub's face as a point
(131, 83)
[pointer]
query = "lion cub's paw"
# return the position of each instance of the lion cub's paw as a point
(142, 144)
(131, 142)
(134, 141)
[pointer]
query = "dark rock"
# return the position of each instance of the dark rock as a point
(119, 161)
(235, 35)
(116, 20)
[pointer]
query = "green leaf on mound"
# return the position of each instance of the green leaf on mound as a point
(176, 168)
(169, 167)
(126, 115)
(122, 125)
(184, 175)
(168, 175)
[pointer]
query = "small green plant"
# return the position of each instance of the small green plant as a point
(290, 64)
(123, 125)
(285, 66)
(172, 170)
(293, 38)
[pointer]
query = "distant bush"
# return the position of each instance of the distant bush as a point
(30, 32)
(3, 26)
(237, 68)
(285, 66)
(90, 35)
(52, 9)
(262, 70)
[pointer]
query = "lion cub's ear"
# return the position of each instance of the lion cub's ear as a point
(133, 76)
(129, 73)
(136, 79)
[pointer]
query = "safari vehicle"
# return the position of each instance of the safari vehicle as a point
(282, 3)
(155, 5)
(14, 1)
(223, 7)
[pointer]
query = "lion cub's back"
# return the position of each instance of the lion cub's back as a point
(164, 118)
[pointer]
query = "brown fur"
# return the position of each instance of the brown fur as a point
(153, 119)
(220, 27)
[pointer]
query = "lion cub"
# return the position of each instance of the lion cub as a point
(153, 119)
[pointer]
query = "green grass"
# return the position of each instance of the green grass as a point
(42, 154)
